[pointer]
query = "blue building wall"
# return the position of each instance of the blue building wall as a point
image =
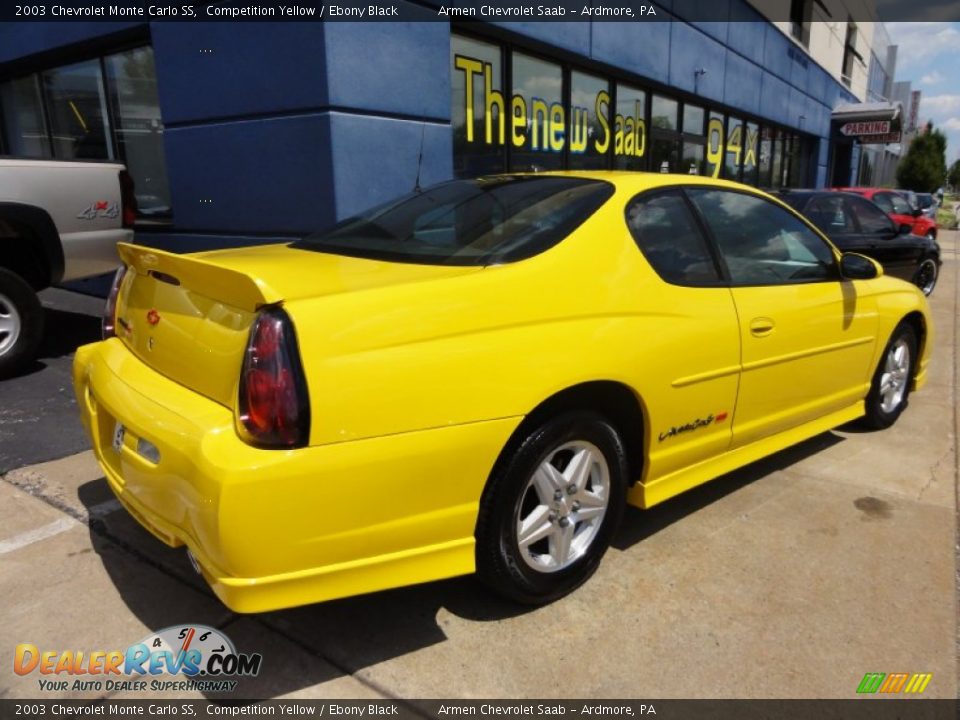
(283, 128)
(290, 145)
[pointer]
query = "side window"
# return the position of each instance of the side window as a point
(831, 215)
(761, 243)
(873, 221)
(883, 202)
(669, 238)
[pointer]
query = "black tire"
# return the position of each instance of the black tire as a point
(880, 412)
(522, 574)
(21, 323)
(927, 274)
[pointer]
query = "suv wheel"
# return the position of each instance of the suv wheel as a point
(21, 323)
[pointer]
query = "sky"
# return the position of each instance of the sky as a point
(929, 56)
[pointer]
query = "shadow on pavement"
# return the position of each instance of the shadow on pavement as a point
(639, 524)
(38, 416)
(65, 331)
(353, 633)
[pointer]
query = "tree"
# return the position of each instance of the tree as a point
(924, 167)
(954, 177)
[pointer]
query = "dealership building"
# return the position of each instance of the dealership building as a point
(256, 131)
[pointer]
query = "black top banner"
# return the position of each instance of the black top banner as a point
(474, 11)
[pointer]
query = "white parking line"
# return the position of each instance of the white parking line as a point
(56, 527)
(37, 534)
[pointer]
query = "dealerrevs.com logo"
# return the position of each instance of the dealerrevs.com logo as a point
(178, 658)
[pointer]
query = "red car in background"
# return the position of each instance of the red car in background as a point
(896, 206)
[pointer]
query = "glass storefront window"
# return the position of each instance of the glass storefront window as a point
(26, 134)
(138, 129)
(590, 122)
(665, 145)
(787, 152)
(715, 142)
(519, 112)
(664, 155)
(77, 110)
(789, 142)
(799, 154)
(693, 161)
(776, 162)
(479, 145)
(630, 139)
(693, 120)
(751, 139)
(733, 158)
(765, 159)
(537, 116)
(663, 113)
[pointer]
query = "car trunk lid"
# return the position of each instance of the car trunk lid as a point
(189, 316)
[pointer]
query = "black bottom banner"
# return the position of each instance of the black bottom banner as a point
(874, 708)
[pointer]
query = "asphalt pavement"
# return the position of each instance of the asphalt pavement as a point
(38, 414)
(790, 578)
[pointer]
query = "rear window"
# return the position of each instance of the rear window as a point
(484, 221)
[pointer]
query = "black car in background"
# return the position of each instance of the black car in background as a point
(854, 224)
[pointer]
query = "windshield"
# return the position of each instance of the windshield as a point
(468, 222)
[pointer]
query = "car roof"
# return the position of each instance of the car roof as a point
(633, 179)
(810, 192)
(800, 191)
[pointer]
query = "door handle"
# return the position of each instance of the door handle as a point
(761, 326)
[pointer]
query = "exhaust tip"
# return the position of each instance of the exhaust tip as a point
(193, 562)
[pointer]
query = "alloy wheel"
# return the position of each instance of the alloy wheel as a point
(926, 277)
(893, 381)
(562, 507)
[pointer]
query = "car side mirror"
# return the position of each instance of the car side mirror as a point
(859, 267)
(917, 212)
(904, 229)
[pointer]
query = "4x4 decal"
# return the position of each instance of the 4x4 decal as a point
(100, 209)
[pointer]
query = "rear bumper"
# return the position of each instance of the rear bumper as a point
(278, 528)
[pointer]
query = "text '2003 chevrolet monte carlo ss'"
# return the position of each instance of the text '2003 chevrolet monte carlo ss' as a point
(478, 377)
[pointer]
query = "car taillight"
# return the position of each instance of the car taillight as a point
(273, 409)
(108, 325)
(128, 199)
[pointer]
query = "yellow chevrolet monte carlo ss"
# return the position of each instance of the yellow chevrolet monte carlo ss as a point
(478, 377)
